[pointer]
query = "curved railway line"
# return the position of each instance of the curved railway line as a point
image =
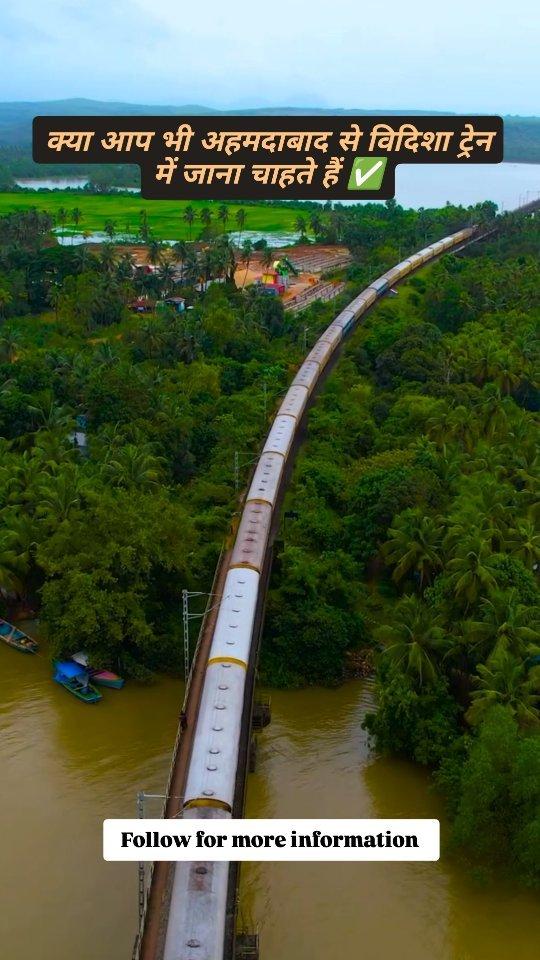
(190, 911)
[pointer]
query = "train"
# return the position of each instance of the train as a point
(198, 903)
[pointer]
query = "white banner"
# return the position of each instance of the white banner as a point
(227, 839)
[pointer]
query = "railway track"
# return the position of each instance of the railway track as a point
(190, 910)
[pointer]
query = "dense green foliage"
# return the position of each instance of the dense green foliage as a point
(413, 529)
(102, 536)
(410, 528)
(492, 782)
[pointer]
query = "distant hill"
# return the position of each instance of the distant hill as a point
(16, 118)
(522, 134)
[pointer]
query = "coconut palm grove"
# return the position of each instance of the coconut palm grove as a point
(409, 547)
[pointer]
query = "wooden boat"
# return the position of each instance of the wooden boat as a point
(16, 638)
(103, 678)
(76, 680)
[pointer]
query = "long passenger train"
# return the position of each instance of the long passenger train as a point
(196, 921)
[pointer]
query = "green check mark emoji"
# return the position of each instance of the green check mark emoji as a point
(367, 173)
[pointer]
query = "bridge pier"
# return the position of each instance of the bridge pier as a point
(246, 946)
(262, 714)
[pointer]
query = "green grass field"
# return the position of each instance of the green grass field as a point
(164, 216)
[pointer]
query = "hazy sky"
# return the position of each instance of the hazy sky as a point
(460, 55)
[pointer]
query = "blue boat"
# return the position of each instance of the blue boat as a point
(76, 680)
(16, 638)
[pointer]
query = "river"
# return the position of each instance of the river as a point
(65, 766)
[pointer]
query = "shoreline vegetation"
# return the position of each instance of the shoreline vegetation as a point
(409, 529)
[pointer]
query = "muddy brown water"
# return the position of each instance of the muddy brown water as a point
(65, 766)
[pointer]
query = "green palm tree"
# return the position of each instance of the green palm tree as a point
(110, 229)
(192, 269)
(414, 641)
(144, 228)
(189, 216)
(225, 258)
(60, 495)
(55, 298)
(20, 532)
(155, 252)
(105, 355)
(509, 683)
(415, 545)
(247, 250)
(316, 223)
(166, 276)
(207, 263)
(488, 459)
(301, 225)
(180, 251)
(524, 542)
(493, 409)
(206, 217)
(483, 362)
(506, 627)
(268, 258)
(53, 448)
(337, 222)
(83, 253)
(62, 216)
(151, 338)
(507, 373)
(9, 346)
(240, 218)
(5, 300)
(23, 480)
(76, 216)
(460, 425)
(50, 415)
(134, 466)
(12, 563)
(525, 465)
(125, 267)
(471, 569)
(223, 215)
(108, 259)
(484, 510)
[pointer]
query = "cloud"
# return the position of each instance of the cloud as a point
(463, 56)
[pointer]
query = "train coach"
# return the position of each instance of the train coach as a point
(198, 905)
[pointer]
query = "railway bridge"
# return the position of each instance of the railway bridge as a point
(189, 910)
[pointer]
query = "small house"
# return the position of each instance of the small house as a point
(178, 304)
